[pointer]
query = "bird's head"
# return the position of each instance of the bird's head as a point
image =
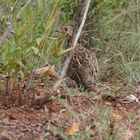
(66, 30)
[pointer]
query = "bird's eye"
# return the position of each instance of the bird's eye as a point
(66, 29)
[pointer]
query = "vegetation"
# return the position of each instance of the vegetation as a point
(28, 41)
(108, 30)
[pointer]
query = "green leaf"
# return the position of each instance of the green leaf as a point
(36, 50)
(65, 51)
(38, 40)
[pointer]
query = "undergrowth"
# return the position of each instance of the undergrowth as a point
(111, 30)
(113, 33)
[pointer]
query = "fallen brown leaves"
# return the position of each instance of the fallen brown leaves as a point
(68, 113)
(74, 127)
(46, 71)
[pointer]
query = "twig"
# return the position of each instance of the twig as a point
(10, 27)
(7, 33)
(73, 45)
(22, 9)
(45, 99)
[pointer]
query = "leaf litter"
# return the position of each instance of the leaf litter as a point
(67, 113)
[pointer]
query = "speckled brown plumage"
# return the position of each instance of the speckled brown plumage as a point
(83, 66)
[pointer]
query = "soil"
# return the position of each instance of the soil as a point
(24, 116)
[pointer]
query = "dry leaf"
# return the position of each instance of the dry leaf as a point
(116, 117)
(46, 71)
(108, 103)
(129, 99)
(73, 128)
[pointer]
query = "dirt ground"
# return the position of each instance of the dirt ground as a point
(98, 114)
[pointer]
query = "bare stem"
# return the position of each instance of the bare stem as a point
(73, 45)
(22, 9)
(10, 27)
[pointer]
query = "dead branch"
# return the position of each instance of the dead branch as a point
(76, 36)
(73, 45)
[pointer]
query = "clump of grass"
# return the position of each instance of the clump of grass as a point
(33, 38)
(114, 36)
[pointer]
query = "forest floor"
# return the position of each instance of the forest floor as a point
(110, 111)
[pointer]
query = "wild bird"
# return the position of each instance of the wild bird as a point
(83, 67)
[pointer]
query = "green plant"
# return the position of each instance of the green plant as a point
(112, 31)
(31, 39)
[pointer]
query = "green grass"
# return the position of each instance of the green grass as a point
(112, 31)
